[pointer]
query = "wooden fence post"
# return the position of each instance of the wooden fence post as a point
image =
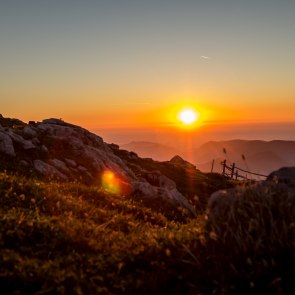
(223, 168)
(212, 166)
(232, 170)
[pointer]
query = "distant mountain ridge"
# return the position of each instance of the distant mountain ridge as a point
(156, 151)
(254, 155)
(260, 156)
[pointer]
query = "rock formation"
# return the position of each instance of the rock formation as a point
(284, 175)
(178, 161)
(59, 150)
(279, 184)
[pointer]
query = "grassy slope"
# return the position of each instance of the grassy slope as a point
(74, 239)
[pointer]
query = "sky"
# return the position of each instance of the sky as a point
(128, 64)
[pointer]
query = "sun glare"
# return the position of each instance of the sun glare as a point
(115, 184)
(110, 182)
(188, 116)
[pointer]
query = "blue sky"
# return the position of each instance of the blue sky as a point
(83, 60)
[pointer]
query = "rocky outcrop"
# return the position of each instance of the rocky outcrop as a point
(165, 196)
(178, 161)
(156, 178)
(29, 133)
(48, 170)
(6, 145)
(222, 197)
(284, 175)
(278, 183)
(56, 149)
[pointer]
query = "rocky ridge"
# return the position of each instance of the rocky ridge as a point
(55, 149)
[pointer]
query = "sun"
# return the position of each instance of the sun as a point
(188, 116)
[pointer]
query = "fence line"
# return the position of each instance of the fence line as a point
(233, 171)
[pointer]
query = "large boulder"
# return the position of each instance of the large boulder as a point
(20, 141)
(279, 182)
(6, 145)
(163, 195)
(48, 170)
(60, 165)
(156, 178)
(81, 148)
(222, 198)
(284, 175)
(29, 132)
(178, 161)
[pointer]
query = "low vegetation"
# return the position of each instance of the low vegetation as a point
(67, 238)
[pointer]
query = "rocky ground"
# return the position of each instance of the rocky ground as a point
(54, 149)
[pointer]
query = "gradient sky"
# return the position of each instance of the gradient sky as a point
(122, 62)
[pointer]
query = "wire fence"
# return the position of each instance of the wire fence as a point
(234, 172)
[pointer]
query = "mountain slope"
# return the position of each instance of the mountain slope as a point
(70, 238)
(59, 236)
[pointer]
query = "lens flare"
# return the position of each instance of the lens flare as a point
(110, 182)
(115, 184)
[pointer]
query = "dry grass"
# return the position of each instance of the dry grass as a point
(73, 239)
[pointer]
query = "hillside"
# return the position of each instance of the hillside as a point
(146, 228)
(69, 238)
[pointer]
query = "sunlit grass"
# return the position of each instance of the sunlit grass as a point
(75, 239)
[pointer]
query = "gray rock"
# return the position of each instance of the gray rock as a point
(87, 147)
(48, 170)
(29, 133)
(60, 165)
(73, 152)
(44, 149)
(24, 143)
(221, 202)
(170, 196)
(54, 121)
(71, 163)
(222, 198)
(6, 145)
(178, 161)
(74, 141)
(36, 141)
(156, 178)
(284, 175)
(82, 169)
(24, 163)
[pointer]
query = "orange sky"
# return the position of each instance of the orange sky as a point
(106, 65)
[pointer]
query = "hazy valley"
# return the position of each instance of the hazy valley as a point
(252, 155)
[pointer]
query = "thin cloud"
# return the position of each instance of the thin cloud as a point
(205, 57)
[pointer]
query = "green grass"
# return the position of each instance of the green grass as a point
(73, 239)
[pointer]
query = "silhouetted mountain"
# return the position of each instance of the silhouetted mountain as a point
(259, 156)
(254, 155)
